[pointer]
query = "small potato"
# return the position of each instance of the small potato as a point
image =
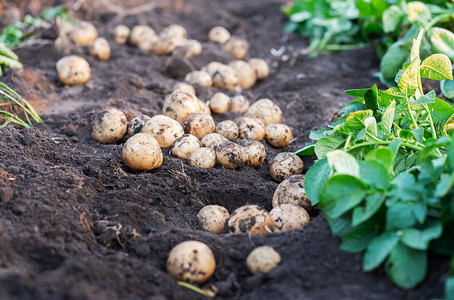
(250, 219)
(164, 46)
(261, 68)
(237, 47)
(188, 49)
(239, 104)
(251, 129)
(255, 152)
(199, 125)
(141, 152)
(109, 126)
(140, 33)
(230, 155)
(262, 259)
(201, 78)
(174, 31)
(184, 87)
(220, 103)
(121, 34)
(212, 67)
(212, 218)
(164, 129)
(284, 165)
(289, 217)
(213, 140)
(83, 34)
(73, 70)
(245, 74)
(100, 49)
(185, 145)
(265, 110)
(291, 191)
(204, 108)
(228, 128)
(179, 105)
(278, 135)
(219, 35)
(202, 158)
(225, 77)
(135, 126)
(191, 261)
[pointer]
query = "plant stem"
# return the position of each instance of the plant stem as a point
(334, 47)
(409, 111)
(413, 147)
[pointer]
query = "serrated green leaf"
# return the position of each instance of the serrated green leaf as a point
(419, 239)
(343, 163)
(378, 250)
(315, 177)
(410, 76)
(325, 145)
(437, 67)
(356, 119)
(358, 239)
(442, 41)
(372, 205)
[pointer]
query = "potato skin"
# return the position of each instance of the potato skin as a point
(184, 87)
(212, 67)
(220, 103)
(136, 124)
(73, 70)
(83, 34)
(213, 140)
(202, 158)
(191, 261)
(204, 108)
(188, 49)
(121, 34)
(278, 135)
(140, 33)
(199, 125)
(237, 47)
(185, 145)
(212, 218)
(164, 129)
(262, 259)
(201, 78)
(250, 219)
(250, 128)
(255, 152)
(100, 49)
(230, 155)
(141, 152)
(239, 104)
(265, 110)
(227, 128)
(179, 105)
(289, 217)
(284, 165)
(291, 191)
(245, 74)
(225, 77)
(219, 35)
(261, 68)
(109, 126)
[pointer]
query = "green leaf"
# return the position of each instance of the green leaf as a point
(449, 288)
(307, 150)
(392, 18)
(444, 185)
(418, 11)
(442, 41)
(358, 239)
(371, 127)
(419, 239)
(378, 250)
(356, 119)
(374, 174)
(340, 226)
(440, 110)
(393, 59)
(300, 16)
(388, 117)
(319, 134)
(426, 99)
(400, 216)
(447, 88)
(341, 193)
(315, 177)
(391, 94)
(414, 52)
(382, 155)
(437, 67)
(406, 267)
(328, 144)
(372, 205)
(343, 163)
(410, 76)
(359, 93)
(371, 98)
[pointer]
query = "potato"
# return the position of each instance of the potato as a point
(164, 129)
(202, 158)
(228, 128)
(201, 78)
(230, 155)
(255, 152)
(261, 68)
(250, 219)
(83, 34)
(239, 104)
(141, 152)
(251, 129)
(73, 70)
(188, 49)
(212, 67)
(184, 87)
(219, 35)
(291, 191)
(220, 103)
(140, 33)
(204, 108)
(266, 111)
(135, 126)
(109, 126)
(284, 165)
(245, 74)
(212, 218)
(100, 49)
(179, 105)
(121, 34)
(278, 135)
(191, 261)
(164, 46)
(289, 217)
(213, 140)
(226, 78)
(185, 145)
(237, 47)
(174, 31)
(199, 125)
(262, 259)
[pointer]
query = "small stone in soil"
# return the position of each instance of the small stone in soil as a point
(6, 194)
(18, 210)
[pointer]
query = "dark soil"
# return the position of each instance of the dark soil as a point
(75, 223)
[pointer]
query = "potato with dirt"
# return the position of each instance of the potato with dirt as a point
(220, 103)
(184, 87)
(121, 34)
(284, 165)
(174, 31)
(250, 219)
(185, 145)
(230, 155)
(245, 74)
(100, 49)
(262, 259)
(213, 140)
(289, 217)
(254, 150)
(202, 158)
(204, 108)
(83, 34)
(164, 129)
(212, 218)
(250, 128)
(239, 104)
(199, 125)
(278, 135)
(291, 191)
(265, 110)
(191, 261)
(212, 67)
(225, 77)
(141, 33)
(237, 47)
(188, 49)
(201, 78)
(219, 34)
(179, 105)
(73, 70)
(136, 124)
(261, 68)
(142, 152)
(227, 128)
(109, 126)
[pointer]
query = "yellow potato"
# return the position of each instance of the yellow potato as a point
(141, 152)
(219, 35)
(262, 259)
(73, 70)
(250, 219)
